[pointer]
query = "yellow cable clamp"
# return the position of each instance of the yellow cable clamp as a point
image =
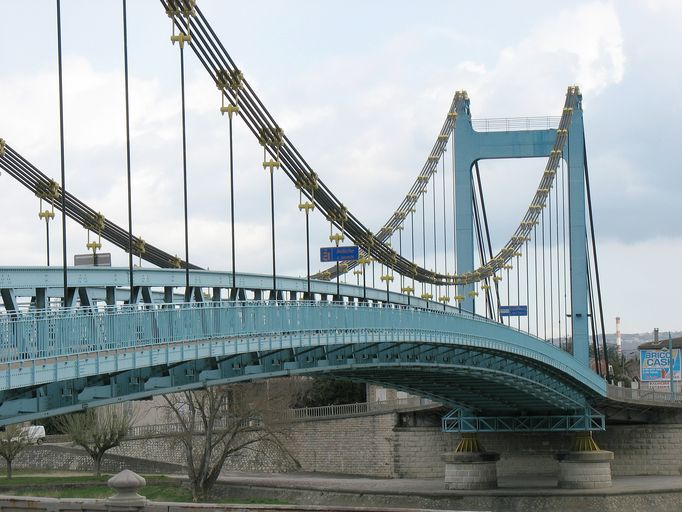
(271, 164)
(139, 246)
(47, 215)
(306, 206)
(181, 38)
(337, 237)
(444, 299)
(2, 147)
(459, 298)
(97, 223)
(94, 246)
(407, 289)
(273, 137)
(426, 296)
(387, 278)
(473, 293)
(175, 262)
(229, 109)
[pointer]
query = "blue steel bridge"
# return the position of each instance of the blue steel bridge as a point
(438, 325)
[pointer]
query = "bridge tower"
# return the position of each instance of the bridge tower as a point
(470, 146)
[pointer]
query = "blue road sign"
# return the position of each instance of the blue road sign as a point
(513, 310)
(348, 253)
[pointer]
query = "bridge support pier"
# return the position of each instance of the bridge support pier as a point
(585, 466)
(470, 466)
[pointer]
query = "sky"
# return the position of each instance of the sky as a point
(361, 88)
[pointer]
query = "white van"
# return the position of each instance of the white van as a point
(34, 433)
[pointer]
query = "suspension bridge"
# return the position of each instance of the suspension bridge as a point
(511, 339)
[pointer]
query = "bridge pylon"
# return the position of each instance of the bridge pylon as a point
(471, 146)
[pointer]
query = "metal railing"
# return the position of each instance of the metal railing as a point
(510, 124)
(643, 394)
(329, 411)
(326, 411)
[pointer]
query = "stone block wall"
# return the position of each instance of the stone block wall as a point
(363, 445)
(644, 449)
(419, 451)
(75, 459)
(376, 445)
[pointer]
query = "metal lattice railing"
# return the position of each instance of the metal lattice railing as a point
(642, 394)
(304, 413)
(510, 124)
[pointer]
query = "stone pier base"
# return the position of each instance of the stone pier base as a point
(467, 470)
(585, 470)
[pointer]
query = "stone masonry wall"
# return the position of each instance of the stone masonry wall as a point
(75, 459)
(418, 451)
(374, 445)
(359, 445)
(264, 457)
(638, 450)
(644, 449)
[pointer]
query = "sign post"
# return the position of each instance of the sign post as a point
(671, 359)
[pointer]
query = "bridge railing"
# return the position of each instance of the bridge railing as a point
(327, 411)
(39, 334)
(511, 124)
(304, 413)
(642, 394)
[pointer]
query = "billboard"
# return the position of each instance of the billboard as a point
(654, 365)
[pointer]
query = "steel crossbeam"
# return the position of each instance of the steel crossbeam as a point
(461, 420)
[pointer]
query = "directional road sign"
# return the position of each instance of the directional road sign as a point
(513, 310)
(348, 253)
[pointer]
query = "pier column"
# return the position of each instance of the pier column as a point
(470, 467)
(585, 466)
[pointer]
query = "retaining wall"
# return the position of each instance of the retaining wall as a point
(376, 445)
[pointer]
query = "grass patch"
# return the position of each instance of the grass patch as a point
(160, 488)
(22, 480)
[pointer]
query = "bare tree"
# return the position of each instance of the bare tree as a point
(217, 422)
(13, 440)
(97, 430)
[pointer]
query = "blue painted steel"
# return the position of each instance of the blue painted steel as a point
(513, 310)
(55, 361)
(158, 284)
(460, 420)
(39, 337)
(578, 235)
(471, 146)
(343, 253)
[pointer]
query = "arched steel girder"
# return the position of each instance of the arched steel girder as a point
(446, 374)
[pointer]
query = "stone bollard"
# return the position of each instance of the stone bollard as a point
(585, 466)
(126, 484)
(470, 467)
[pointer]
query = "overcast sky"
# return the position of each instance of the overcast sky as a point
(361, 88)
